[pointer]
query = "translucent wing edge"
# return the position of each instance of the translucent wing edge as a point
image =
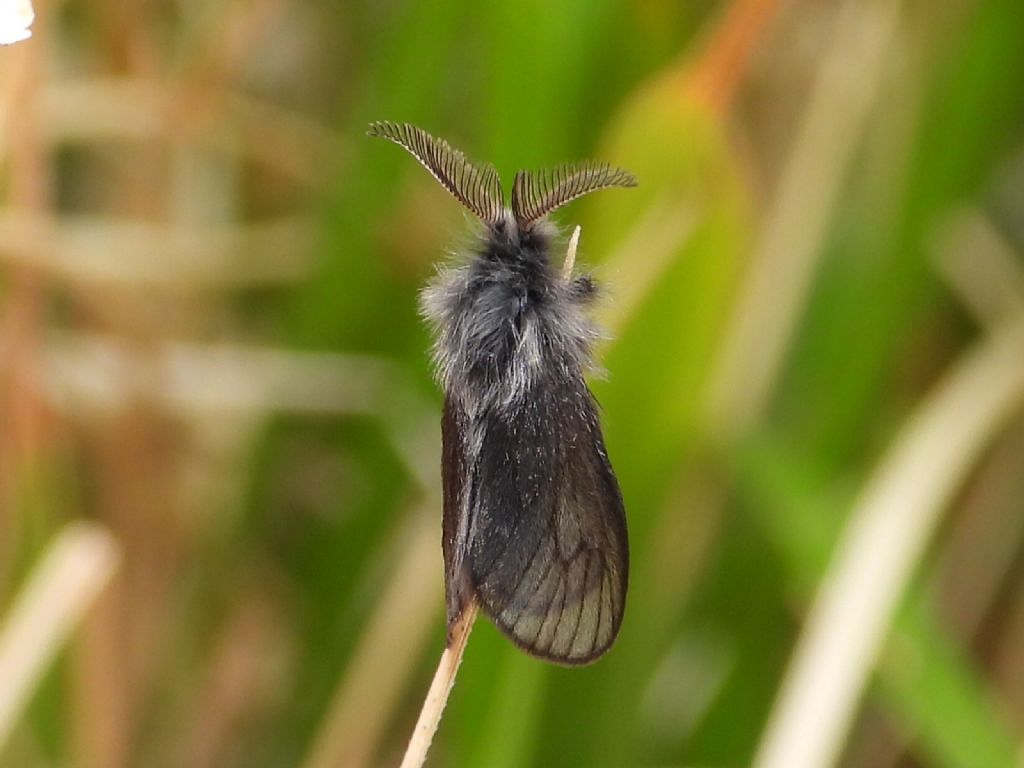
(547, 635)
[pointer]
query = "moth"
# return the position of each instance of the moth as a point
(534, 527)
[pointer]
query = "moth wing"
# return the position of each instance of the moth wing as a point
(454, 474)
(548, 548)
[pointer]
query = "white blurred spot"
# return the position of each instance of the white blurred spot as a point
(16, 16)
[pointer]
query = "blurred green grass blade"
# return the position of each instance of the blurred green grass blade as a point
(535, 58)
(928, 682)
(856, 336)
(39, 494)
(658, 365)
(473, 705)
(657, 369)
(507, 733)
(741, 599)
(877, 283)
(936, 689)
(354, 299)
(358, 300)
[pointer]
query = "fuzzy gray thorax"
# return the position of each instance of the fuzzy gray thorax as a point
(506, 316)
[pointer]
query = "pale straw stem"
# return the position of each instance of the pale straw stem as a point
(437, 696)
(72, 573)
(889, 528)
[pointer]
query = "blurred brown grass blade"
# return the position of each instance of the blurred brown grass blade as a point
(1007, 662)
(387, 652)
(96, 109)
(791, 236)
(230, 35)
(241, 681)
(72, 573)
(730, 47)
(23, 430)
(980, 266)
(889, 528)
(91, 250)
(89, 373)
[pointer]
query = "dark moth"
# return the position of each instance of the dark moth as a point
(534, 525)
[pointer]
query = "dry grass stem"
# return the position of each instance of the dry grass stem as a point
(139, 108)
(92, 250)
(437, 696)
(888, 531)
(86, 372)
(981, 267)
(570, 254)
(791, 238)
(74, 570)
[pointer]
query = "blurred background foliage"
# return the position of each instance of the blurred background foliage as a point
(219, 443)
